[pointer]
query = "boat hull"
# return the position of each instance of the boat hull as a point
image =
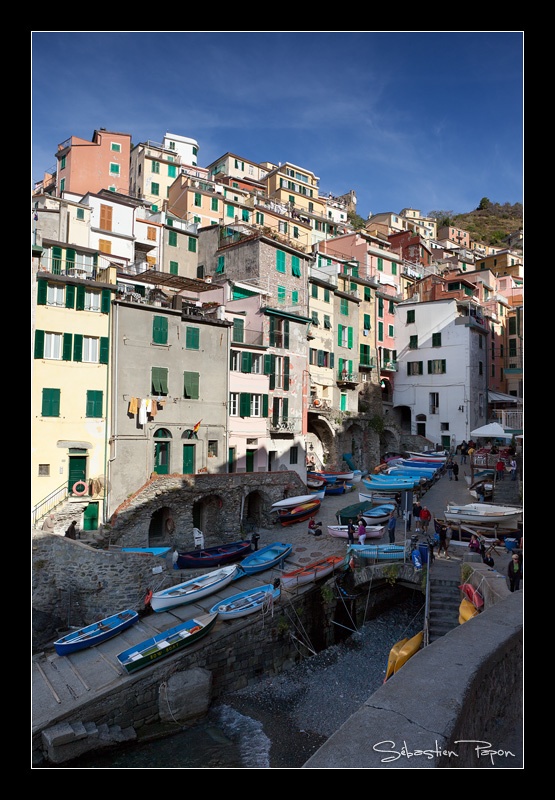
(266, 558)
(290, 502)
(166, 643)
(249, 602)
(98, 632)
(311, 572)
(214, 556)
(408, 650)
(194, 589)
(482, 514)
(298, 513)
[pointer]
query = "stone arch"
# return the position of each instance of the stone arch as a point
(254, 510)
(207, 517)
(158, 532)
(321, 436)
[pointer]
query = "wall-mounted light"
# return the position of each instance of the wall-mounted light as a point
(461, 408)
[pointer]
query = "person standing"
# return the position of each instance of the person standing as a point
(456, 470)
(500, 469)
(351, 532)
(449, 468)
(442, 544)
(464, 451)
(391, 525)
(416, 510)
(398, 502)
(362, 530)
(49, 523)
(425, 518)
(71, 532)
(513, 466)
(514, 572)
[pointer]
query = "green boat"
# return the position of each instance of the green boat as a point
(352, 512)
(166, 643)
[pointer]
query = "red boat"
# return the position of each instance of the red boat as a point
(300, 513)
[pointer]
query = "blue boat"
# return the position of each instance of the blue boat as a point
(247, 602)
(146, 551)
(378, 514)
(267, 558)
(96, 633)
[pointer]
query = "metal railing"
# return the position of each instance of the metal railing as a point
(50, 502)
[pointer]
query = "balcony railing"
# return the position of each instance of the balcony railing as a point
(390, 366)
(319, 405)
(348, 377)
(509, 420)
(285, 425)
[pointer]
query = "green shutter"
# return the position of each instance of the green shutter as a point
(192, 245)
(56, 260)
(286, 373)
(272, 375)
(285, 409)
(267, 364)
(191, 385)
(286, 334)
(238, 330)
(265, 405)
(105, 302)
(350, 338)
(192, 338)
(104, 350)
(50, 403)
(77, 347)
(244, 404)
(80, 302)
(42, 292)
(160, 330)
(272, 331)
(296, 266)
(67, 346)
(366, 323)
(94, 404)
(340, 335)
(39, 344)
(246, 362)
(280, 261)
(174, 268)
(172, 238)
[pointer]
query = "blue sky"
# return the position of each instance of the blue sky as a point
(429, 120)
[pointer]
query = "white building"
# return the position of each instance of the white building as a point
(442, 357)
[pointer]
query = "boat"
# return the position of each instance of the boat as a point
(407, 650)
(392, 659)
(338, 475)
(439, 456)
(482, 513)
(314, 481)
(378, 514)
(335, 488)
(412, 472)
(424, 465)
(266, 558)
(310, 572)
(390, 552)
(145, 551)
(351, 512)
(192, 590)
(215, 556)
(318, 494)
(95, 633)
(467, 610)
(391, 484)
(372, 531)
(377, 498)
(472, 594)
(166, 643)
(247, 602)
(289, 502)
(300, 513)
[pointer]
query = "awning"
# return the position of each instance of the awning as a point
(499, 397)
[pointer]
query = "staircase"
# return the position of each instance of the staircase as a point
(445, 597)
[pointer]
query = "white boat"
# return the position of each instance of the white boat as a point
(372, 531)
(377, 498)
(482, 513)
(193, 589)
(287, 502)
(440, 457)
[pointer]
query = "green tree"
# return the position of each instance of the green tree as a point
(484, 204)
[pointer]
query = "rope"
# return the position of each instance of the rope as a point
(301, 629)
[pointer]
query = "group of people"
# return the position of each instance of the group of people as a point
(452, 468)
(49, 525)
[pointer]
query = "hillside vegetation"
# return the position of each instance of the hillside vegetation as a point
(490, 223)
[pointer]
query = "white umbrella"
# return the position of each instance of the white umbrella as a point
(492, 431)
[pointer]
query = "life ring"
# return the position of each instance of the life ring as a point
(75, 490)
(148, 597)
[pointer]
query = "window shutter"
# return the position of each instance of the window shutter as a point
(272, 372)
(244, 404)
(70, 296)
(246, 362)
(104, 350)
(77, 347)
(285, 409)
(275, 411)
(39, 344)
(80, 302)
(42, 291)
(286, 372)
(332, 360)
(265, 405)
(191, 385)
(160, 330)
(267, 364)
(286, 334)
(56, 260)
(105, 302)
(350, 338)
(272, 331)
(339, 335)
(366, 323)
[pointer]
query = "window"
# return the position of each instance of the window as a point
(155, 189)
(50, 403)
(106, 217)
(380, 331)
(314, 291)
(391, 331)
(90, 350)
(192, 338)
(174, 268)
(393, 268)
(114, 168)
(380, 264)
(115, 147)
(279, 332)
(44, 471)
(380, 306)
(221, 265)
(53, 346)
(172, 238)
(212, 448)
(191, 385)
(192, 245)
(296, 266)
(344, 306)
(411, 316)
(63, 162)
(155, 167)
(326, 295)
(234, 404)
(257, 364)
(198, 199)
(437, 367)
(280, 366)
(415, 367)
(480, 367)
(172, 171)
(62, 185)
(256, 405)
(230, 211)
(160, 330)
(280, 261)
(413, 342)
(151, 233)
(434, 402)
(367, 293)
(159, 381)
(294, 455)
(391, 306)
(54, 294)
(364, 355)
(80, 213)
(259, 218)
(327, 322)
(315, 318)
(436, 339)
(366, 322)
(94, 404)
(281, 294)
(345, 336)
(238, 333)
(235, 361)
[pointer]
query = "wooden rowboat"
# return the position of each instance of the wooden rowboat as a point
(214, 556)
(267, 558)
(341, 531)
(247, 602)
(166, 643)
(193, 589)
(311, 572)
(95, 633)
(300, 513)
(290, 502)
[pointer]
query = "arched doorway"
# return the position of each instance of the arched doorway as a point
(162, 439)
(421, 425)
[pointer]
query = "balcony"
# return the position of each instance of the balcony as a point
(285, 425)
(348, 378)
(370, 364)
(319, 405)
(390, 366)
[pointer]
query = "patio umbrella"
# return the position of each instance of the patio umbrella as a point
(491, 431)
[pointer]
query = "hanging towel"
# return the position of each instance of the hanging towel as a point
(133, 406)
(142, 413)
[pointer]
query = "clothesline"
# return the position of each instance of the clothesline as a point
(144, 407)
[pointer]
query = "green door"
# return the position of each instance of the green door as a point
(250, 460)
(161, 457)
(77, 470)
(188, 459)
(90, 517)
(231, 459)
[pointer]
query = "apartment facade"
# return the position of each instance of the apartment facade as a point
(88, 166)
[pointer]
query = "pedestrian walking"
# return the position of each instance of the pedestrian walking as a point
(513, 466)
(449, 468)
(351, 532)
(514, 572)
(464, 451)
(391, 525)
(442, 544)
(456, 470)
(362, 531)
(500, 469)
(416, 509)
(425, 518)
(71, 532)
